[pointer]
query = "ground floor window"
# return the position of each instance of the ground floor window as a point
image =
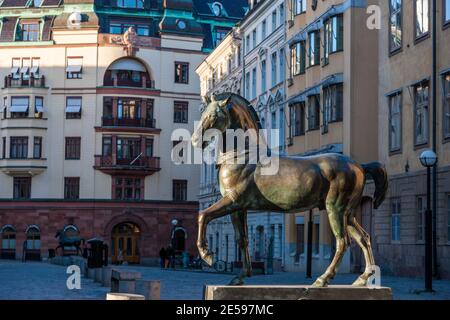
(395, 220)
(8, 238)
(22, 187)
(300, 240)
(33, 238)
(316, 235)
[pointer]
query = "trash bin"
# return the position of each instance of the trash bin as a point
(95, 253)
(51, 253)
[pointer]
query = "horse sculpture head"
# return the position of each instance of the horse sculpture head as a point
(215, 116)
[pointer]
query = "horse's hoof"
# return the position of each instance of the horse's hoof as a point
(208, 258)
(320, 283)
(360, 282)
(236, 281)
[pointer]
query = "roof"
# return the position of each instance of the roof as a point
(14, 3)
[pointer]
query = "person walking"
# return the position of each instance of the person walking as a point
(162, 257)
(24, 251)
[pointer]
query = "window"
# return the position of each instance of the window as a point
(247, 43)
(8, 234)
(38, 107)
(181, 72)
(136, 4)
(15, 68)
(446, 105)
(300, 243)
(18, 147)
(298, 58)
(35, 67)
(25, 70)
(281, 14)
(247, 85)
(421, 92)
(74, 68)
(263, 30)
(254, 83)
(128, 149)
(298, 6)
(314, 48)
(149, 147)
(217, 9)
(106, 146)
(422, 18)
(37, 3)
(4, 148)
(273, 64)
(73, 146)
(395, 219)
(313, 112)
(446, 10)
(33, 238)
(220, 35)
(73, 108)
(297, 116)
(254, 38)
(263, 76)
(128, 188)
(282, 66)
(395, 122)
(180, 112)
(334, 36)
(142, 30)
(274, 20)
(37, 148)
(179, 190)
(29, 31)
(395, 25)
(22, 187)
(332, 103)
(19, 107)
(71, 188)
(421, 209)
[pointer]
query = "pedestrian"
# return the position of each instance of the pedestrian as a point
(170, 254)
(24, 251)
(162, 256)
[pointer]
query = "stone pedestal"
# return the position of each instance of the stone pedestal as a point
(150, 289)
(282, 292)
(106, 276)
(98, 275)
(124, 296)
(124, 281)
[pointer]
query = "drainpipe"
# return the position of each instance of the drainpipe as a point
(434, 133)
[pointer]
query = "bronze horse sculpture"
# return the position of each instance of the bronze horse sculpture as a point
(328, 181)
(65, 241)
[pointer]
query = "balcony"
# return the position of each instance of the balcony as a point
(23, 166)
(128, 122)
(30, 82)
(140, 166)
(115, 82)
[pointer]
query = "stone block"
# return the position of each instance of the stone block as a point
(91, 273)
(295, 292)
(150, 289)
(98, 275)
(106, 276)
(124, 296)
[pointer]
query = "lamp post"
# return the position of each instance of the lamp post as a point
(428, 159)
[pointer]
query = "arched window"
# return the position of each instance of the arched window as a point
(71, 231)
(8, 238)
(127, 72)
(33, 238)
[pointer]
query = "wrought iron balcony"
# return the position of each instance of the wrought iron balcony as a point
(31, 82)
(128, 122)
(115, 82)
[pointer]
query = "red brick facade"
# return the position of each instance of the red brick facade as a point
(98, 218)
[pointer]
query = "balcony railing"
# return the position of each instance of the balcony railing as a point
(114, 82)
(127, 122)
(142, 162)
(30, 82)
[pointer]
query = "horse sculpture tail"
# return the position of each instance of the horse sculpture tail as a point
(379, 175)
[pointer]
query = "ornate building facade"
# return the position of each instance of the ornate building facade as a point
(92, 92)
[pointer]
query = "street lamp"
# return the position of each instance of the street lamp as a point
(428, 159)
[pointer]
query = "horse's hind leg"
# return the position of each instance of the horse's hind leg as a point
(239, 220)
(363, 240)
(336, 219)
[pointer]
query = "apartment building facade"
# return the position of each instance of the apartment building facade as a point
(406, 130)
(331, 93)
(92, 92)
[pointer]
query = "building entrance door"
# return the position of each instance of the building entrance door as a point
(125, 241)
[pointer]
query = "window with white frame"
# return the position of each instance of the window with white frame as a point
(298, 7)
(421, 101)
(253, 83)
(422, 18)
(74, 67)
(274, 20)
(263, 76)
(333, 36)
(395, 121)
(298, 58)
(395, 219)
(273, 63)
(282, 66)
(314, 48)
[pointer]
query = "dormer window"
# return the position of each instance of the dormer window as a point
(217, 9)
(37, 3)
(134, 4)
(29, 31)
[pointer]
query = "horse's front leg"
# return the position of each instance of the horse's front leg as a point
(222, 207)
(239, 220)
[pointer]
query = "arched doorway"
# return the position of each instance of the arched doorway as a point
(125, 239)
(33, 243)
(179, 239)
(8, 249)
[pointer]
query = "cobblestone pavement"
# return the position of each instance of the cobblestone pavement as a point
(35, 280)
